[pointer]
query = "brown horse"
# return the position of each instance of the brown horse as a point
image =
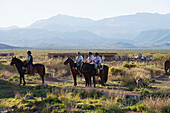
(73, 70)
(87, 70)
(37, 68)
(167, 65)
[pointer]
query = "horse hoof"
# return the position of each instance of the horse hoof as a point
(19, 84)
(23, 84)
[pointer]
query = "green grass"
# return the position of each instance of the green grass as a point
(64, 97)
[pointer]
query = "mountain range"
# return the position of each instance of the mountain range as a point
(4, 46)
(141, 30)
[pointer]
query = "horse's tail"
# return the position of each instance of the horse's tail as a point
(43, 70)
(165, 64)
(106, 73)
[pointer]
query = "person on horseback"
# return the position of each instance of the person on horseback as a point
(97, 62)
(90, 58)
(29, 62)
(79, 60)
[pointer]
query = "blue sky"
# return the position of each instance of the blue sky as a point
(24, 12)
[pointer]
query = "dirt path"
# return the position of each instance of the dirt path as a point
(106, 91)
(162, 82)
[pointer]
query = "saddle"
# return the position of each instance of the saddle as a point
(28, 68)
(100, 67)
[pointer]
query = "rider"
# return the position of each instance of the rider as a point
(97, 62)
(90, 58)
(79, 60)
(29, 61)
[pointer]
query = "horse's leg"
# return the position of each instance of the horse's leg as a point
(94, 81)
(23, 79)
(20, 80)
(86, 80)
(166, 71)
(75, 79)
(90, 81)
(42, 77)
(104, 77)
(101, 77)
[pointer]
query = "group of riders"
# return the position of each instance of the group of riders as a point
(92, 59)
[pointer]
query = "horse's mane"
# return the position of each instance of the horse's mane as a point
(18, 60)
(71, 59)
(72, 62)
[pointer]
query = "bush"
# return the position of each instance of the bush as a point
(144, 91)
(159, 104)
(57, 66)
(165, 109)
(128, 81)
(13, 78)
(119, 100)
(115, 71)
(88, 106)
(129, 65)
(2, 75)
(139, 107)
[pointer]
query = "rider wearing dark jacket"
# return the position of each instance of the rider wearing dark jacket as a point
(29, 62)
(30, 58)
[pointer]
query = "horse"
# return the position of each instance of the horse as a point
(73, 70)
(37, 68)
(87, 70)
(104, 75)
(167, 65)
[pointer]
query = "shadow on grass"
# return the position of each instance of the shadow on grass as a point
(8, 89)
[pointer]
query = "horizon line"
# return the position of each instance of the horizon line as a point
(85, 18)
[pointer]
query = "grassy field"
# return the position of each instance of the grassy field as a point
(120, 95)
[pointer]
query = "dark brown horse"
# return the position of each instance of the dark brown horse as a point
(37, 68)
(104, 74)
(87, 70)
(167, 65)
(87, 74)
(90, 70)
(73, 69)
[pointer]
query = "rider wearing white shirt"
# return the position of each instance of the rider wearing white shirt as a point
(97, 59)
(79, 59)
(90, 59)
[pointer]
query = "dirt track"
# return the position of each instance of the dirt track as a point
(106, 91)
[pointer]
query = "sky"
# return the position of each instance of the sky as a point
(22, 13)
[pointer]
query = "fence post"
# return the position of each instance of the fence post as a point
(8, 57)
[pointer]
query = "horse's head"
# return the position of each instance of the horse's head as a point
(69, 60)
(13, 61)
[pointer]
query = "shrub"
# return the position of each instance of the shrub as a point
(13, 78)
(165, 109)
(140, 107)
(115, 71)
(129, 65)
(136, 89)
(57, 66)
(159, 104)
(2, 75)
(128, 81)
(88, 106)
(144, 91)
(119, 100)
